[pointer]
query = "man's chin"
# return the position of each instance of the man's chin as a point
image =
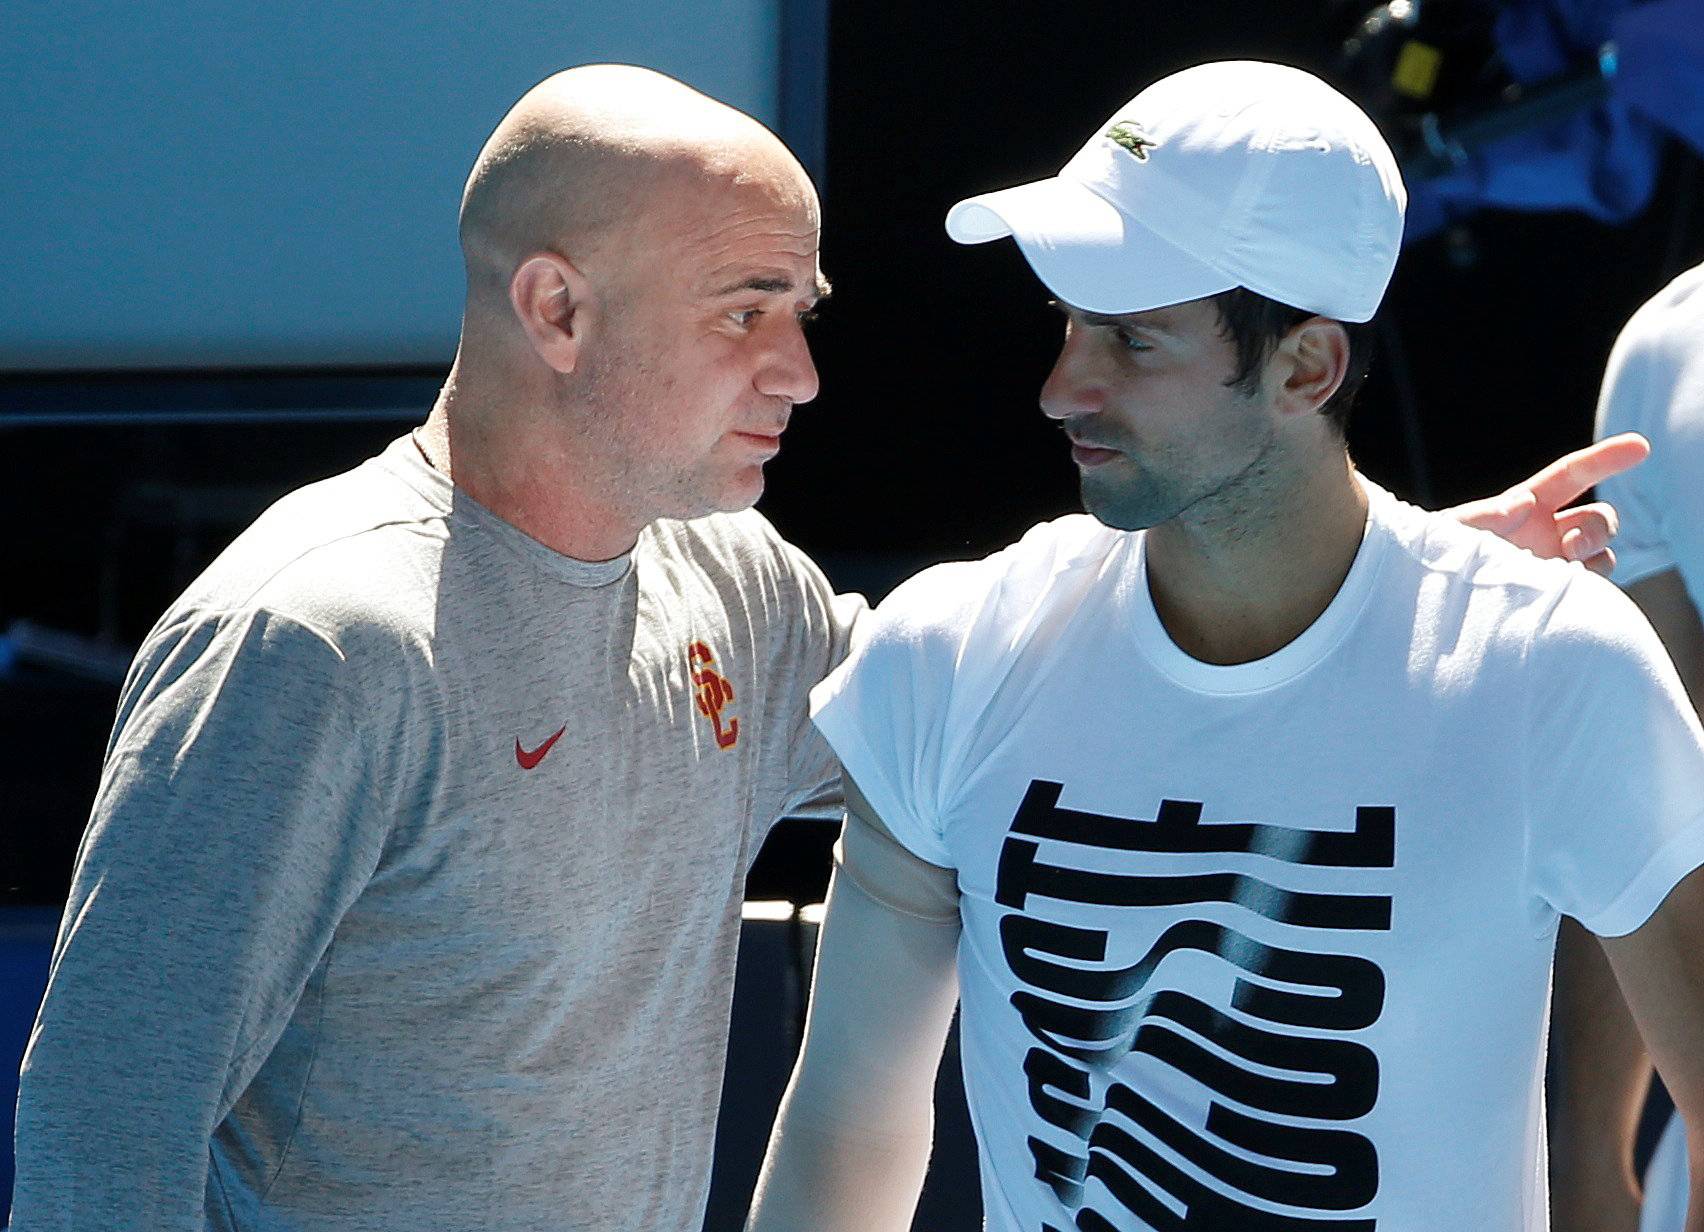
(726, 494)
(743, 491)
(732, 493)
(1120, 510)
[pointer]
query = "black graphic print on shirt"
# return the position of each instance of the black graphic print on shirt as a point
(1282, 1077)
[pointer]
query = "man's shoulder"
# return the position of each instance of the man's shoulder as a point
(1662, 342)
(335, 554)
(1056, 562)
(1674, 314)
(1453, 577)
(1592, 618)
(937, 650)
(1438, 551)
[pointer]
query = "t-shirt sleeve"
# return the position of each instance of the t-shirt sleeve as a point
(818, 629)
(1637, 390)
(885, 710)
(235, 822)
(1615, 763)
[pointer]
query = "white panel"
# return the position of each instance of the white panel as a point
(222, 183)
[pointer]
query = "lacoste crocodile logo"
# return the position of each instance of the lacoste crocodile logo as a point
(713, 693)
(1129, 134)
(527, 760)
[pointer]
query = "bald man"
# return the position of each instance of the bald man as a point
(411, 892)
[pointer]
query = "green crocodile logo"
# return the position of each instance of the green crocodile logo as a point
(1129, 134)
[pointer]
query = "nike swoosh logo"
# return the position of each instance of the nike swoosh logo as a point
(529, 760)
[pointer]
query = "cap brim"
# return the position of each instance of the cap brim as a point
(1086, 251)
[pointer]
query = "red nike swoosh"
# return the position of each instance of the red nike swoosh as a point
(529, 760)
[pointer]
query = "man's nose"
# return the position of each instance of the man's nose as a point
(788, 370)
(1072, 388)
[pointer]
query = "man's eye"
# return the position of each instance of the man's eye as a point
(745, 317)
(1130, 342)
(807, 315)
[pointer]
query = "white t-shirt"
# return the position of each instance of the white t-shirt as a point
(1268, 946)
(1654, 384)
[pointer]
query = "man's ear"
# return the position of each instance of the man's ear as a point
(553, 302)
(1315, 357)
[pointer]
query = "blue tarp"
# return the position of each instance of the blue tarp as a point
(1602, 161)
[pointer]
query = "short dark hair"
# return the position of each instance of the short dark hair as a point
(1255, 325)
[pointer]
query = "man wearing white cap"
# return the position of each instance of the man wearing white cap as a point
(1241, 814)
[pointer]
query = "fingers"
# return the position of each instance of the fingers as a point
(1586, 534)
(1571, 474)
(1603, 562)
(1588, 530)
(1502, 514)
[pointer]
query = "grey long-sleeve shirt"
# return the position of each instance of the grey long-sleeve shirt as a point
(411, 892)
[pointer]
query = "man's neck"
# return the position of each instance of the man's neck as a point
(1233, 589)
(528, 480)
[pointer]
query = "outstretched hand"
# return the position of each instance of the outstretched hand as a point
(1532, 514)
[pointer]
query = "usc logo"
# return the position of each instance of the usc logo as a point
(712, 692)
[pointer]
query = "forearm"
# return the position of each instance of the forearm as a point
(1660, 967)
(824, 1172)
(1601, 1079)
(851, 1144)
(1695, 1201)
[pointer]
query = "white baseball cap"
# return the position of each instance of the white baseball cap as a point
(1232, 174)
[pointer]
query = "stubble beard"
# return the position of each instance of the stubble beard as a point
(622, 390)
(1137, 499)
(1139, 494)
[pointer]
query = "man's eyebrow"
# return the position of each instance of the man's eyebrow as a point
(1109, 320)
(773, 284)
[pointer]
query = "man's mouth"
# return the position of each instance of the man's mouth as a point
(770, 441)
(1084, 453)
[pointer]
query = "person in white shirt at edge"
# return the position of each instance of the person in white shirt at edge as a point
(1241, 814)
(1654, 383)
(412, 889)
